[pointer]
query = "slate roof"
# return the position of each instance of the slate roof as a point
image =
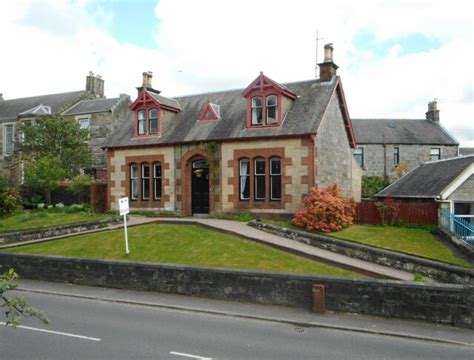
(303, 117)
(466, 151)
(401, 131)
(93, 106)
(9, 109)
(429, 179)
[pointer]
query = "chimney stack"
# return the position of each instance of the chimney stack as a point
(327, 69)
(1, 97)
(433, 113)
(95, 85)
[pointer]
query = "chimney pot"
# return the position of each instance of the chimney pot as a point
(147, 77)
(327, 69)
(328, 50)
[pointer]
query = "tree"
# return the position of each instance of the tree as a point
(16, 306)
(63, 138)
(45, 175)
(326, 210)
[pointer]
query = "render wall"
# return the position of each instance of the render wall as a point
(334, 159)
(464, 192)
(413, 155)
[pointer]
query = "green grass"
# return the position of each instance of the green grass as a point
(182, 244)
(414, 241)
(44, 218)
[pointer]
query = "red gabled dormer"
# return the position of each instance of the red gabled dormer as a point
(210, 112)
(265, 102)
(148, 108)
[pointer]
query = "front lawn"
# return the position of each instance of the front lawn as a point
(32, 219)
(413, 241)
(182, 244)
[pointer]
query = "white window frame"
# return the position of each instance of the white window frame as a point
(436, 151)
(155, 179)
(133, 181)
(255, 107)
(143, 121)
(4, 150)
(245, 176)
(149, 121)
(145, 180)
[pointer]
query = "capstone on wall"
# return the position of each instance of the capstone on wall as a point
(376, 158)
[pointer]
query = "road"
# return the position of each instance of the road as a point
(94, 329)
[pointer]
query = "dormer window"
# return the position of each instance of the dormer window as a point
(265, 99)
(210, 112)
(147, 122)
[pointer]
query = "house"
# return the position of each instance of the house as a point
(449, 183)
(464, 151)
(385, 144)
(100, 117)
(89, 107)
(258, 149)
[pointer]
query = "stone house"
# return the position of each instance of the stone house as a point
(382, 144)
(89, 107)
(100, 117)
(258, 149)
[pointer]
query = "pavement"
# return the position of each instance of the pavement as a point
(408, 329)
(243, 230)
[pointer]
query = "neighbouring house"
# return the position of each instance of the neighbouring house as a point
(100, 117)
(464, 151)
(89, 107)
(258, 149)
(449, 183)
(385, 144)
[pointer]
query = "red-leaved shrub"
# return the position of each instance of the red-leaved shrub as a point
(326, 210)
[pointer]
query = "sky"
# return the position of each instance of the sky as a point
(393, 56)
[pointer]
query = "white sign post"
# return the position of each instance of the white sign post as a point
(124, 210)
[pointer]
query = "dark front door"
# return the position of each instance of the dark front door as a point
(200, 187)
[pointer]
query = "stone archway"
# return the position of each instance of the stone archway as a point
(186, 179)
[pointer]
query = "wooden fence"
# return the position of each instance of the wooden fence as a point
(415, 213)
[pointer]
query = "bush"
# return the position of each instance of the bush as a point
(80, 185)
(326, 210)
(371, 185)
(9, 197)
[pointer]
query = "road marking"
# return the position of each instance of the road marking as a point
(54, 332)
(189, 355)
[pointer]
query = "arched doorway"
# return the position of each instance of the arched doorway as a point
(200, 187)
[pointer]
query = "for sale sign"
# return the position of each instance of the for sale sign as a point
(123, 206)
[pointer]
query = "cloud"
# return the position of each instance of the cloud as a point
(208, 45)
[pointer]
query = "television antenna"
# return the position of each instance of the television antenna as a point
(316, 72)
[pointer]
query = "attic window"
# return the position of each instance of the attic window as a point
(147, 122)
(210, 112)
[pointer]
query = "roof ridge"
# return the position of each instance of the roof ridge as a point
(240, 88)
(36, 96)
(388, 119)
(448, 159)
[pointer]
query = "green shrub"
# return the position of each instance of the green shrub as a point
(9, 197)
(80, 185)
(371, 185)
